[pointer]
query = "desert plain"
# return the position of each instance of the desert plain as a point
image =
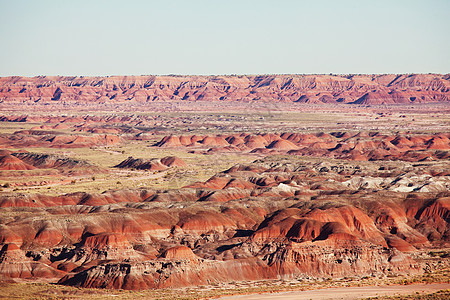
(178, 187)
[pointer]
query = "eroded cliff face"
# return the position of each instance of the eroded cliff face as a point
(357, 89)
(274, 218)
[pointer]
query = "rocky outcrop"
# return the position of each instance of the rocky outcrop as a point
(357, 89)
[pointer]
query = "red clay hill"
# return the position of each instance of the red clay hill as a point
(357, 89)
(152, 164)
(359, 146)
(273, 218)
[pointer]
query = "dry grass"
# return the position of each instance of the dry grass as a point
(439, 295)
(200, 168)
(11, 127)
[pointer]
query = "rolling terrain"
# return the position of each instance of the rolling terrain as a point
(189, 193)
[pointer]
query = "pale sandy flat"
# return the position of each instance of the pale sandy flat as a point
(349, 292)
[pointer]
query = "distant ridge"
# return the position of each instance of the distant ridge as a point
(354, 89)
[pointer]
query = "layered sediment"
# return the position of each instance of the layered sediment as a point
(356, 89)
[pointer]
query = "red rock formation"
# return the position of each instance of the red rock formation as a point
(170, 141)
(152, 164)
(173, 161)
(227, 195)
(357, 147)
(47, 161)
(141, 164)
(9, 162)
(107, 240)
(360, 89)
(179, 252)
(37, 200)
(274, 218)
(205, 221)
(30, 138)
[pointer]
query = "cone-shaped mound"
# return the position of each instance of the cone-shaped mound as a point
(9, 162)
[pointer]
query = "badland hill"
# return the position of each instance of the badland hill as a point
(132, 195)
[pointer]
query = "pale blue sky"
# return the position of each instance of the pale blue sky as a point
(109, 37)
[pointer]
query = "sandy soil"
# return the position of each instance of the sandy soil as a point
(349, 292)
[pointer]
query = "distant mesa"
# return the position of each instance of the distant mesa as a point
(310, 89)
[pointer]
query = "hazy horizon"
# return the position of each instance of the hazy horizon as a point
(208, 38)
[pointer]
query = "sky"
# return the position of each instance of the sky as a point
(211, 37)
